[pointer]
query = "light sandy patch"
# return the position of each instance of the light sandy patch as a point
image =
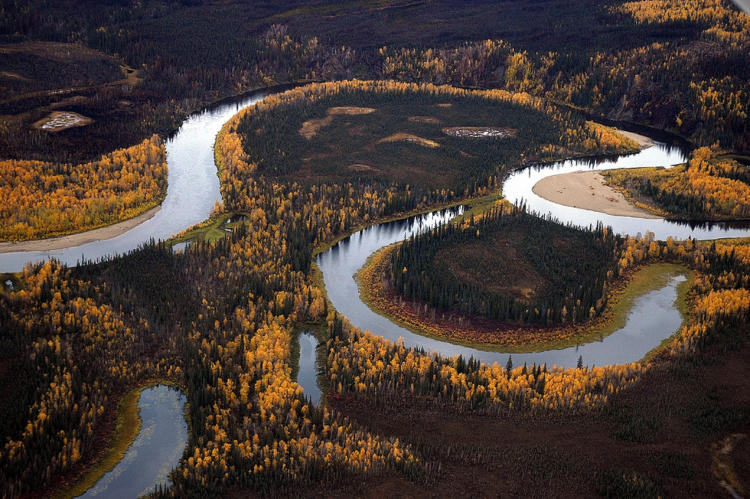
(479, 132)
(642, 140)
(444, 104)
(424, 119)
(350, 110)
(61, 120)
(102, 233)
(311, 127)
(361, 167)
(13, 76)
(587, 190)
(407, 137)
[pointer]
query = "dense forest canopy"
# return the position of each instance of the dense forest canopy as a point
(674, 66)
(509, 267)
(218, 319)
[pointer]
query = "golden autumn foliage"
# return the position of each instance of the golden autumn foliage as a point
(70, 333)
(223, 329)
(49, 199)
(707, 187)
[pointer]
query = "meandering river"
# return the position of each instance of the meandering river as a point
(194, 188)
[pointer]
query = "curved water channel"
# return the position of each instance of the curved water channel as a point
(156, 450)
(652, 318)
(518, 187)
(193, 188)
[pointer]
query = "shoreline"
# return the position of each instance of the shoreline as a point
(587, 190)
(79, 238)
(642, 140)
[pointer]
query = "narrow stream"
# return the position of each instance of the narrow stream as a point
(155, 451)
(307, 376)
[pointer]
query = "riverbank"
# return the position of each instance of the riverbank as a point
(126, 434)
(127, 427)
(62, 242)
(589, 191)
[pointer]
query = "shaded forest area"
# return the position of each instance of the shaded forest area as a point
(509, 266)
(654, 63)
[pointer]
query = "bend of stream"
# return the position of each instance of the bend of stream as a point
(653, 317)
(155, 451)
(518, 187)
(307, 376)
(193, 188)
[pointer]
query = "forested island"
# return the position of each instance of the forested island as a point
(385, 130)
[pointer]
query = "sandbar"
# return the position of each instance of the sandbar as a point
(61, 242)
(587, 190)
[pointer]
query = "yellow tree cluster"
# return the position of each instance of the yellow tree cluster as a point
(710, 181)
(82, 352)
(48, 199)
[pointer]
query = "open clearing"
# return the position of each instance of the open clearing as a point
(479, 132)
(311, 127)
(407, 137)
(588, 191)
(62, 120)
(424, 119)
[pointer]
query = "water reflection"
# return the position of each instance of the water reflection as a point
(518, 189)
(307, 376)
(156, 450)
(192, 190)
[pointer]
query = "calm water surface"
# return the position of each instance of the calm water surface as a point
(155, 451)
(518, 187)
(652, 318)
(307, 376)
(192, 191)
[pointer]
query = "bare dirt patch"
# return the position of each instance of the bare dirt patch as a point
(479, 132)
(310, 128)
(407, 137)
(361, 167)
(12, 76)
(424, 119)
(444, 104)
(587, 190)
(350, 110)
(642, 140)
(61, 120)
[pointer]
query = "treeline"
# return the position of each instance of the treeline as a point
(577, 266)
(707, 188)
(218, 320)
(75, 354)
(51, 199)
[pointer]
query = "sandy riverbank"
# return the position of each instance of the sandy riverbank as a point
(587, 190)
(80, 238)
(642, 140)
